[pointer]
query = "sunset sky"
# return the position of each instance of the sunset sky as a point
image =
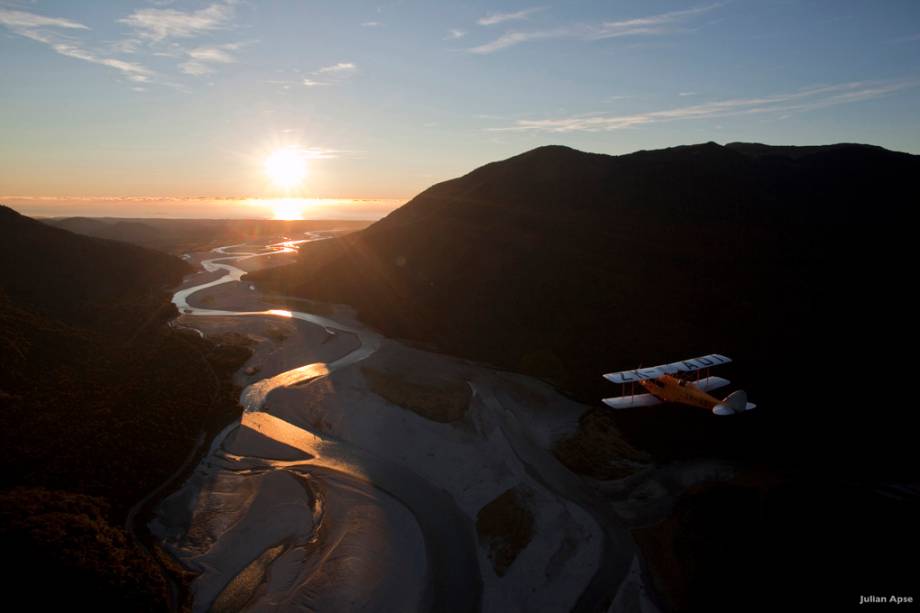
(177, 99)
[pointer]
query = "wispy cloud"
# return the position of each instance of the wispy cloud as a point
(327, 75)
(371, 24)
(153, 31)
(201, 60)
(160, 24)
(496, 18)
(42, 29)
(22, 19)
(799, 101)
(159, 29)
(661, 23)
(454, 34)
(340, 68)
(125, 45)
(131, 70)
(219, 54)
(653, 24)
(320, 153)
(509, 39)
(195, 69)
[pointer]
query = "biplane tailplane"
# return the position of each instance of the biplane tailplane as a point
(736, 402)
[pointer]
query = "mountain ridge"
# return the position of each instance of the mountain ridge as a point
(566, 264)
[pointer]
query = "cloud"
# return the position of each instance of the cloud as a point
(371, 24)
(34, 26)
(152, 28)
(496, 18)
(803, 100)
(22, 19)
(125, 45)
(200, 61)
(510, 39)
(319, 153)
(331, 74)
(158, 29)
(455, 34)
(653, 24)
(217, 54)
(196, 69)
(132, 70)
(160, 24)
(340, 68)
(661, 23)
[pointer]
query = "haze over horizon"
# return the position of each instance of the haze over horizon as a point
(138, 109)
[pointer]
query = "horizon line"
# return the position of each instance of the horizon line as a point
(194, 198)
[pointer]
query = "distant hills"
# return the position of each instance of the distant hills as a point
(178, 236)
(114, 229)
(567, 264)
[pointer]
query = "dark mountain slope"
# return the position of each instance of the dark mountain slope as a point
(99, 403)
(81, 280)
(568, 264)
(795, 261)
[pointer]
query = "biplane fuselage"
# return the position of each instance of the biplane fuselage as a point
(671, 389)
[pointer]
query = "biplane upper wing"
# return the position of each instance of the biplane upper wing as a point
(653, 372)
(694, 364)
(628, 402)
(631, 376)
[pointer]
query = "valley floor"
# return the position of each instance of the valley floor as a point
(366, 475)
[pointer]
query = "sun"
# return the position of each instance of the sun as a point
(286, 168)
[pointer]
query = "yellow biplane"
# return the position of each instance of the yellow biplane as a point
(670, 383)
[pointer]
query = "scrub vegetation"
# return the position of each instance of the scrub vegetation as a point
(443, 401)
(505, 527)
(597, 449)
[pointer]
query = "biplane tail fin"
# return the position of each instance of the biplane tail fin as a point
(736, 402)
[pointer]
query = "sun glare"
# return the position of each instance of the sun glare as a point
(286, 168)
(287, 208)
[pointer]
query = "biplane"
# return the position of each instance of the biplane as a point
(674, 382)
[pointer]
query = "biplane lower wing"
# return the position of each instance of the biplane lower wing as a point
(710, 383)
(648, 400)
(629, 402)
